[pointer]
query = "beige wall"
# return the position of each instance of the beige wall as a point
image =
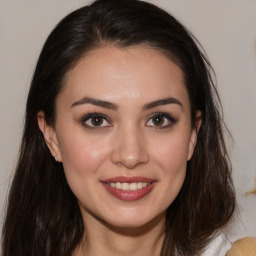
(227, 31)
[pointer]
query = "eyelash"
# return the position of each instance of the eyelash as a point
(90, 116)
(169, 118)
(166, 118)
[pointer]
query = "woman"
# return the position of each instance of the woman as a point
(123, 150)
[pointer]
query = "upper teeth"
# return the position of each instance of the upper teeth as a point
(129, 186)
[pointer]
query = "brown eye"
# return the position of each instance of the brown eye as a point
(158, 120)
(95, 120)
(161, 120)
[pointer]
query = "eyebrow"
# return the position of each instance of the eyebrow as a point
(113, 106)
(96, 102)
(162, 102)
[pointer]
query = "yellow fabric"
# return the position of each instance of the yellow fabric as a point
(243, 247)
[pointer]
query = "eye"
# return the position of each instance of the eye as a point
(161, 120)
(95, 120)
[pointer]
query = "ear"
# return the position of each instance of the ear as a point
(49, 136)
(194, 132)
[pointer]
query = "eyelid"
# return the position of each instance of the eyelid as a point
(95, 114)
(172, 120)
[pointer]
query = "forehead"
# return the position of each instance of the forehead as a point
(130, 74)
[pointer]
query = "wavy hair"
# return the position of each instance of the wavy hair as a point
(43, 217)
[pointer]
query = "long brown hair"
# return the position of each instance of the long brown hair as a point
(43, 217)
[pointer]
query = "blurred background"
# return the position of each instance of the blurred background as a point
(227, 31)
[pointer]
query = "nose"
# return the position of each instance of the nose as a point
(129, 148)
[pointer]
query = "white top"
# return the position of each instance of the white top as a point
(218, 247)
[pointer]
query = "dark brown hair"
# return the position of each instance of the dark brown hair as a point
(43, 217)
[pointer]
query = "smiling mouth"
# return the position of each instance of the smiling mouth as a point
(129, 186)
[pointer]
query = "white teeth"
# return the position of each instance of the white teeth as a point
(129, 186)
(133, 186)
(118, 185)
(125, 186)
(140, 185)
(144, 184)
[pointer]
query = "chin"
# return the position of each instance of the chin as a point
(133, 222)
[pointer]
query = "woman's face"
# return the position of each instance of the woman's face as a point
(123, 133)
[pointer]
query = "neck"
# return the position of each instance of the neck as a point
(104, 239)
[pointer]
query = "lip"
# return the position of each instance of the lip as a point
(128, 179)
(129, 195)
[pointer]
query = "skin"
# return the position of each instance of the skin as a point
(129, 142)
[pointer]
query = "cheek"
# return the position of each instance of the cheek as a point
(171, 154)
(171, 161)
(173, 164)
(82, 155)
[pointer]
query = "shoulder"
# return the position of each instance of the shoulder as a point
(218, 246)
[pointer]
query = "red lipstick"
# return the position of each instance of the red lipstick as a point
(128, 179)
(129, 188)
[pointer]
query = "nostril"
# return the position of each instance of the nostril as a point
(129, 149)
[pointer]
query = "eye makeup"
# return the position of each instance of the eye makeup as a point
(95, 121)
(161, 120)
